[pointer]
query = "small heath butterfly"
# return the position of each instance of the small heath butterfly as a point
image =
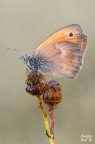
(61, 54)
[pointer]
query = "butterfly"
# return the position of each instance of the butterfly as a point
(61, 54)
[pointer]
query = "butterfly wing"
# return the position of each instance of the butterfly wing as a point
(83, 44)
(63, 51)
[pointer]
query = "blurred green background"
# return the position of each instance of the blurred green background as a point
(24, 24)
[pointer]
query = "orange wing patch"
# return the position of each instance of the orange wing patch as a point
(63, 35)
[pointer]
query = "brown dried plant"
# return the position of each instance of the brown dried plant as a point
(47, 92)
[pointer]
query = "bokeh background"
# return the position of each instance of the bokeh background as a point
(23, 25)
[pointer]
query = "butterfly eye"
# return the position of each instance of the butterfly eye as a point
(71, 34)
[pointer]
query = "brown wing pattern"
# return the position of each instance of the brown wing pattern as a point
(64, 57)
(63, 53)
(83, 44)
(71, 59)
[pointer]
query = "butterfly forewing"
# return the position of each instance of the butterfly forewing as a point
(63, 35)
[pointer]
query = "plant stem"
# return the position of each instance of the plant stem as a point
(51, 137)
(51, 114)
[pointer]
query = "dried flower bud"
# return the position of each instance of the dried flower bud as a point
(52, 95)
(36, 84)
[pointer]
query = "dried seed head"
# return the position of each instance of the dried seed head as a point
(52, 95)
(36, 83)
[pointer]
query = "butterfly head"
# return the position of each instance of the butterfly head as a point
(34, 62)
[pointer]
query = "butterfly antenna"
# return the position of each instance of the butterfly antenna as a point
(23, 57)
(16, 50)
